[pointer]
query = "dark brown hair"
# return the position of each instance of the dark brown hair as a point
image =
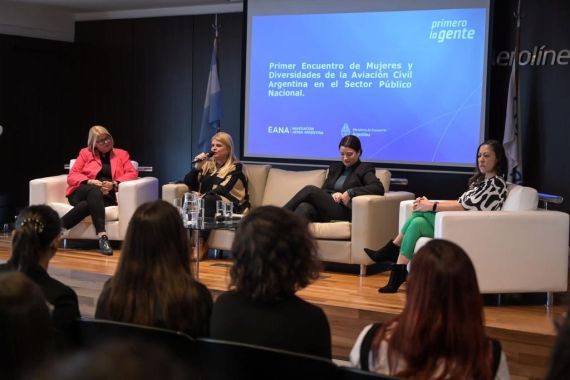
(153, 281)
(25, 325)
(36, 229)
(440, 333)
(274, 255)
(501, 166)
(351, 141)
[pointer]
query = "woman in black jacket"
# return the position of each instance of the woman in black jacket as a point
(346, 179)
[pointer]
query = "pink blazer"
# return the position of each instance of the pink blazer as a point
(88, 165)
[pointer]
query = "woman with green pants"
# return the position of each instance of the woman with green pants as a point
(487, 192)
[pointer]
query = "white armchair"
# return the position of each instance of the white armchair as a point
(516, 250)
(130, 195)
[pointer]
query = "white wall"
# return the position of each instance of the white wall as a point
(36, 21)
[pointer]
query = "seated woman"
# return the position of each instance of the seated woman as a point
(274, 256)
(440, 334)
(25, 326)
(487, 192)
(220, 177)
(93, 181)
(345, 180)
(35, 241)
(153, 284)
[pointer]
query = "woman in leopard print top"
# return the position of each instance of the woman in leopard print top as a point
(487, 192)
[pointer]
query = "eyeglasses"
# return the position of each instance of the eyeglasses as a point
(104, 141)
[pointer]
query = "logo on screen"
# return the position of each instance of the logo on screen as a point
(345, 130)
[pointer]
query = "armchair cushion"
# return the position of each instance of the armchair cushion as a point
(334, 230)
(520, 198)
(256, 179)
(282, 185)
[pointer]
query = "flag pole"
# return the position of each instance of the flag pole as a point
(216, 27)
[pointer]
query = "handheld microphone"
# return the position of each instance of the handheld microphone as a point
(210, 154)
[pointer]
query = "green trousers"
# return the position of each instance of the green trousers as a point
(420, 224)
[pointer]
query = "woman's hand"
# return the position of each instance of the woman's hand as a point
(341, 197)
(345, 198)
(200, 160)
(422, 204)
(337, 197)
(95, 182)
(106, 187)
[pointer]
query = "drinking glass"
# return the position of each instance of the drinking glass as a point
(220, 212)
(178, 203)
(196, 211)
(228, 211)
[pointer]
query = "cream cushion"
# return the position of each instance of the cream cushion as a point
(282, 185)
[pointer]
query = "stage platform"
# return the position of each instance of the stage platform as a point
(350, 302)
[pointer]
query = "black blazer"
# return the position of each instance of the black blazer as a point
(62, 299)
(362, 180)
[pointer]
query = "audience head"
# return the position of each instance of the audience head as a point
(350, 149)
(99, 139)
(116, 361)
(501, 165)
(274, 255)
(155, 239)
(25, 325)
(442, 284)
(36, 237)
(153, 280)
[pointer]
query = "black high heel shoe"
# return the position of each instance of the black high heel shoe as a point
(104, 246)
(388, 253)
(397, 278)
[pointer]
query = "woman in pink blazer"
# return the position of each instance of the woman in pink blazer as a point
(93, 181)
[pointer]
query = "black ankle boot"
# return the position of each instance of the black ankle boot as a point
(104, 246)
(397, 278)
(388, 253)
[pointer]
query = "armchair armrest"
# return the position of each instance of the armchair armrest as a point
(406, 211)
(48, 189)
(131, 195)
(512, 251)
(374, 222)
(171, 191)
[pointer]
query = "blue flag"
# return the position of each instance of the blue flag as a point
(212, 114)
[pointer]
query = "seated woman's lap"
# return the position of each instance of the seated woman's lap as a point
(420, 224)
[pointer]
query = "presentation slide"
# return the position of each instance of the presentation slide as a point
(410, 83)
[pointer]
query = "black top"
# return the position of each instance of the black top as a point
(361, 181)
(62, 299)
(290, 324)
(198, 323)
(105, 173)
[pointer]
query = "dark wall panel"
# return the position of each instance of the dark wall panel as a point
(135, 77)
(34, 112)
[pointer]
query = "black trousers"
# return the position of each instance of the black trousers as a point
(88, 200)
(317, 205)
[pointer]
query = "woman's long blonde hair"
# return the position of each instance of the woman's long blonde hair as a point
(95, 132)
(210, 166)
